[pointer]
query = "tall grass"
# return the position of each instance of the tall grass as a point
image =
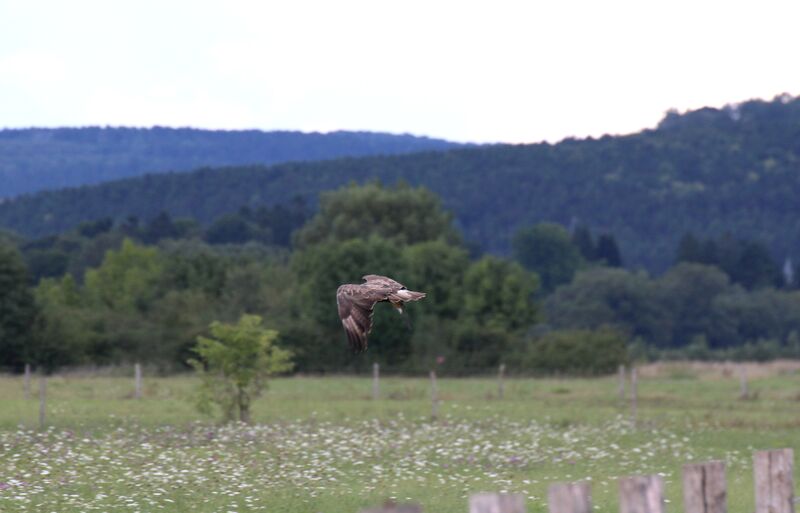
(321, 444)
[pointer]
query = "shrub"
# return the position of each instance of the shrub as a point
(234, 365)
(598, 351)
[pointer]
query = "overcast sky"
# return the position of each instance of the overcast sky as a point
(520, 71)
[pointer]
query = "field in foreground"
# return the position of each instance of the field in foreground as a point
(322, 445)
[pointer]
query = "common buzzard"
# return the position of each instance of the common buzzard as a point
(357, 301)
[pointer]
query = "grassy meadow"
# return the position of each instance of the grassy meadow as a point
(321, 444)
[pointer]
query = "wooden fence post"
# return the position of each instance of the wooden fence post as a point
(138, 377)
(497, 503)
(569, 498)
(501, 373)
(42, 400)
(641, 494)
(744, 393)
(26, 386)
(774, 481)
(434, 397)
(376, 376)
(634, 395)
(621, 384)
(704, 488)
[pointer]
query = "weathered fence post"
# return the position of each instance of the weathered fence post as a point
(434, 397)
(744, 393)
(138, 376)
(641, 494)
(621, 384)
(42, 400)
(376, 376)
(704, 488)
(26, 386)
(497, 503)
(774, 481)
(634, 394)
(569, 498)
(501, 374)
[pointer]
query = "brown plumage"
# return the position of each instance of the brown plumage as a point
(357, 301)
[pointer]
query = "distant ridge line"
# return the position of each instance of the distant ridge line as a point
(36, 159)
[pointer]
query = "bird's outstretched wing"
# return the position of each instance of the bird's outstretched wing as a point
(355, 304)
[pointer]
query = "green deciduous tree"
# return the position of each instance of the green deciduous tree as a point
(234, 364)
(320, 270)
(688, 292)
(65, 336)
(739, 317)
(439, 268)
(402, 214)
(500, 294)
(127, 280)
(626, 301)
(547, 250)
(472, 312)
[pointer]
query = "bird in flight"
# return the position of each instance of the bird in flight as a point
(356, 301)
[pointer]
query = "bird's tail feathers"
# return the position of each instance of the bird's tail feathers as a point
(410, 295)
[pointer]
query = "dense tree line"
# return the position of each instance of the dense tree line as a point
(707, 172)
(76, 250)
(34, 159)
(110, 292)
(149, 297)
(746, 262)
(688, 305)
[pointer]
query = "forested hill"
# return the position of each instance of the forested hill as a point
(709, 171)
(50, 158)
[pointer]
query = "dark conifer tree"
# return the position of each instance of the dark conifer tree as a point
(608, 251)
(160, 227)
(689, 249)
(18, 312)
(582, 239)
(756, 267)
